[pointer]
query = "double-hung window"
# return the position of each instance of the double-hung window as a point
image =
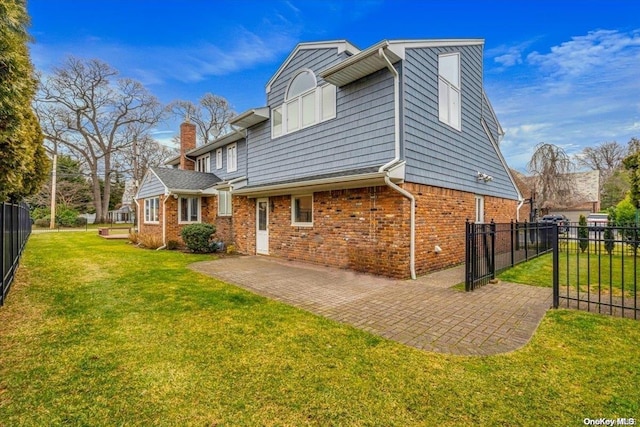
(224, 203)
(189, 208)
(219, 158)
(203, 164)
(302, 210)
(232, 157)
(305, 104)
(151, 210)
(449, 105)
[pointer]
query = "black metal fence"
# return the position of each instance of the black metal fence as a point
(494, 247)
(596, 269)
(16, 228)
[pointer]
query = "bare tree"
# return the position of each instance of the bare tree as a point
(551, 168)
(143, 153)
(211, 115)
(85, 108)
(605, 158)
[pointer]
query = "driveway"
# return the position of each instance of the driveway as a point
(424, 313)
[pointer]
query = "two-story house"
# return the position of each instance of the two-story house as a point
(370, 160)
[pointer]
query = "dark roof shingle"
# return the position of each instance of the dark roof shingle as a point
(178, 179)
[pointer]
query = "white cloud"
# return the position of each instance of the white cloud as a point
(602, 50)
(580, 93)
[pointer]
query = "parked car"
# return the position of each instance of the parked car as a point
(561, 220)
(597, 221)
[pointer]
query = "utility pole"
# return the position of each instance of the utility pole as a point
(54, 168)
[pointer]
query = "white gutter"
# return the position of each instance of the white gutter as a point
(384, 168)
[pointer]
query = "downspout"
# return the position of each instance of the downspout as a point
(520, 203)
(384, 168)
(164, 222)
(396, 108)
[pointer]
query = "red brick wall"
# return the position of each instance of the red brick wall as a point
(367, 229)
(208, 214)
(440, 220)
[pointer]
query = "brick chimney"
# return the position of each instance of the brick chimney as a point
(187, 143)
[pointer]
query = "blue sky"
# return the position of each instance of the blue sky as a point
(562, 72)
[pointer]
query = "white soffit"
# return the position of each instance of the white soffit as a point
(363, 64)
(251, 117)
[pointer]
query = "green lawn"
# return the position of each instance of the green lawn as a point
(580, 269)
(100, 333)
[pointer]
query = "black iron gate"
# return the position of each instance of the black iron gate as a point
(493, 247)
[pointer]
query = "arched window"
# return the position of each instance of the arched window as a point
(305, 104)
(302, 82)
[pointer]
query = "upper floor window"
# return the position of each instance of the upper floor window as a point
(449, 89)
(219, 158)
(305, 104)
(232, 158)
(203, 164)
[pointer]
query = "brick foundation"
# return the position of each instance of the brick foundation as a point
(208, 214)
(368, 229)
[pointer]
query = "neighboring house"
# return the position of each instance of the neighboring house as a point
(583, 199)
(370, 160)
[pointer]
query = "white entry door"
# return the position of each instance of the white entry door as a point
(262, 226)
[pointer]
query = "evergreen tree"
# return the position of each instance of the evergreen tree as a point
(23, 164)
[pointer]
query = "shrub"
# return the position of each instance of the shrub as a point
(66, 217)
(134, 238)
(80, 221)
(583, 233)
(40, 213)
(198, 237)
(231, 249)
(150, 241)
(42, 222)
(172, 245)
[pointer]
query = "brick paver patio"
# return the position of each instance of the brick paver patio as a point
(424, 313)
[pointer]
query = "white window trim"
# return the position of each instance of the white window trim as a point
(454, 87)
(318, 111)
(293, 212)
(203, 161)
(156, 211)
(479, 208)
(180, 221)
(219, 158)
(232, 166)
(225, 213)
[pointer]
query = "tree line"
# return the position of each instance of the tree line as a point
(618, 168)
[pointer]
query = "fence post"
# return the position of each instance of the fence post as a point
(467, 255)
(2, 253)
(492, 263)
(556, 266)
(513, 244)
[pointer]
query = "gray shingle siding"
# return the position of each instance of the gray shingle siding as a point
(437, 154)
(362, 134)
(242, 162)
(151, 186)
